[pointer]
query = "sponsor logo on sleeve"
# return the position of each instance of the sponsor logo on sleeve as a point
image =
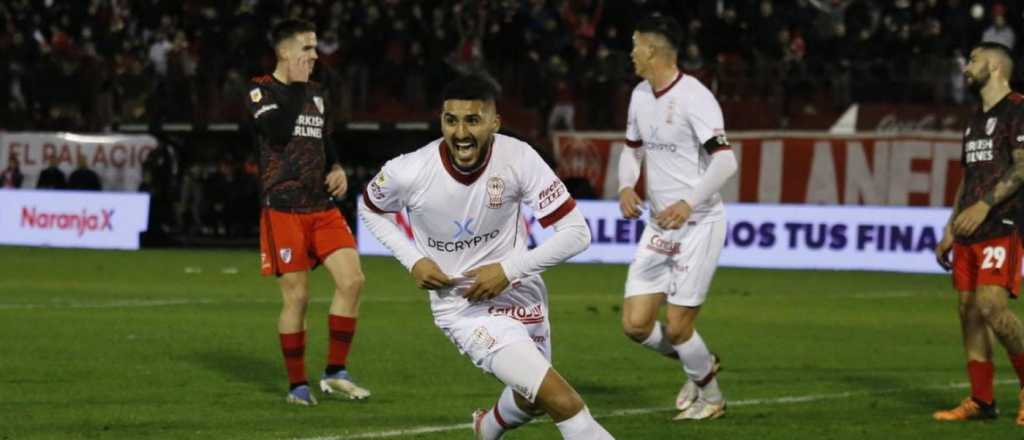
(551, 194)
(377, 187)
(263, 110)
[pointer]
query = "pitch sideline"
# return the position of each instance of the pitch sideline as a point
(784, 400)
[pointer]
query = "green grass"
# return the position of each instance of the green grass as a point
(128, 345)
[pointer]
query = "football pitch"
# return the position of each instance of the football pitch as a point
(182, 344)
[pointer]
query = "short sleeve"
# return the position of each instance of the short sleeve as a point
(705, 116)
(388, 191)
(260, 102)
(633, 139)
(542, 190)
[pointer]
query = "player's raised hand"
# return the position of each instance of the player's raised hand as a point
(629, 203)
(943, 248)
(490, 282)
(337, 181)
(428, 275)
(674, 216)
(969, 219)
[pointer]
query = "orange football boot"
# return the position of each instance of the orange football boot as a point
(1020, 412)
(969, 409)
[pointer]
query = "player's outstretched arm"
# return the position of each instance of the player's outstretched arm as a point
(388, 233)
(1007, 185)
(572, 236)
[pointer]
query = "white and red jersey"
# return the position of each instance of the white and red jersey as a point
(672, 126)
(463, 221)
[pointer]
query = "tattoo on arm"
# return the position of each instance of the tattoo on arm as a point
(1009, 183)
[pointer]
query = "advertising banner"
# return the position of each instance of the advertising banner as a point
(116, 158)
(75, 219)
(896, 169)
(894, 239)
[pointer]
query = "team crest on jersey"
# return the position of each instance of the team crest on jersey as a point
(495, 188)
(990, 126)
(286, 255)
(255, 95)
(319, 102)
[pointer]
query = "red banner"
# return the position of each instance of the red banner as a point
(916, 169)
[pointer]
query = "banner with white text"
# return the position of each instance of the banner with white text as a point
(74, 219)
(897, 169)
(116, 158)
(894, 239)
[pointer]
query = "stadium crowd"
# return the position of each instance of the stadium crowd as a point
(89, 65)
(94, 64)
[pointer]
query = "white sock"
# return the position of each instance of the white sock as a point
(505, 415)
(657, 341)
(582, 426)
(697, 364)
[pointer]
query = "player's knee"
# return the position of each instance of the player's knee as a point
(351, 285)
(637, 329)
(679, 332)
(296, 299)
(989, 311)
(294, 292)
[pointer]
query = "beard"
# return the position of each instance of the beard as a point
(976, 83)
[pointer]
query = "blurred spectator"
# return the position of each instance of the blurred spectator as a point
(160, 180)
(191, 201)
(83, 178)
(52, 177)
(563, 112)
(11, 176)
(694, 64)
(1000, 32)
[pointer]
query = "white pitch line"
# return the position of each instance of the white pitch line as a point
(784, 400)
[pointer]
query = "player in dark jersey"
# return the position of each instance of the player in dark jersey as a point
(300, 228)
(985, 244)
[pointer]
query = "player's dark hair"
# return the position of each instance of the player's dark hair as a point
(290, 27)
(665, 26)
(470, 88)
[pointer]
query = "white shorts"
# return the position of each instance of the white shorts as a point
(679, 263)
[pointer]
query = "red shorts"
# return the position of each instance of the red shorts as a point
(993, 262)
(295, 242)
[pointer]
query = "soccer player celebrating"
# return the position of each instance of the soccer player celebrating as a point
(980, 233)
(300, 228)
(676, 123)
(463, 195)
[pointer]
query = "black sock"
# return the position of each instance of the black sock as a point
(332, 369)
(292, 387)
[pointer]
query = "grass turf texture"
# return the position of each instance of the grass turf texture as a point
(100, 344)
